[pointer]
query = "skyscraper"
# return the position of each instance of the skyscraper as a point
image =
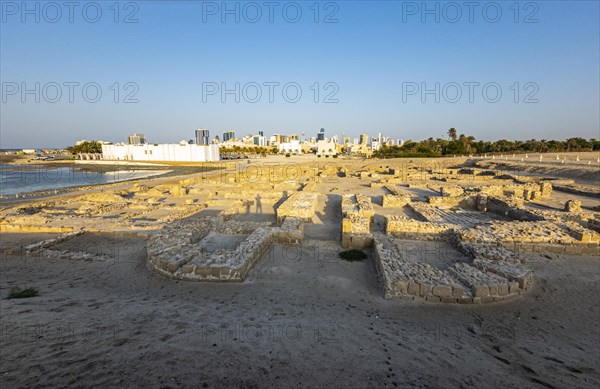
(136, 139)
(202, 137)
(228, 135)
(364, 139)
(321, 135)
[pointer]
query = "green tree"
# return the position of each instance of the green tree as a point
(452, 133)
(87, 147)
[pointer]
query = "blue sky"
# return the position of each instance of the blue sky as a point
(372, 55)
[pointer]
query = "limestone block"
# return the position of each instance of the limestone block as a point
(481, 291)
(425, 289)
(451, 191)
(449, 300)
(502, 289)
(413, 288)
(442, 290)
(573, 206)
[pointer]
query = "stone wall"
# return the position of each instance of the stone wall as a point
(594, 224)
(511, 207)
(451, 191)
(407, 228)
(395, 198)
(481, 281)
(358, 204)
(177, 251)
(300, 205)
(540, 236)
(357, 212)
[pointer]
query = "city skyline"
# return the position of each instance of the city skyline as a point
(360, 69)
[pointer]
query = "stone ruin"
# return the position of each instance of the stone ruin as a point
(573, 206)
(395, 198)
(357, 213)
(482, 277)
(300, 205)
(490, 226)
(183, 251)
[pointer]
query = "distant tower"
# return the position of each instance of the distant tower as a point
(321, 135)
(202, 137)
(228, 135)
(302, 136)
(364, 139)
(136, 139)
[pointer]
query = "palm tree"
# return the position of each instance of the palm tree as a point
(452, 133)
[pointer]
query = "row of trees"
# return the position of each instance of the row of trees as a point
(86, 147)
(466, 145)
(248, 150)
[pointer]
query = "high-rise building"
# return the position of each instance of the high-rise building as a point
(228, 135)
(136, 139)
(202, 137)
(276, 139)
(293, 137)
(321, 135)
(364, 139)
(259, 140)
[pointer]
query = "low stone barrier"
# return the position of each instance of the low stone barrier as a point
(5, 227)
(300, 205)
(395, 198)
(483, 281)
(357, 212)
(177, 252)
(407, 228)
(541, 237)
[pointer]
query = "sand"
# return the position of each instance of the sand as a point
(302, 318)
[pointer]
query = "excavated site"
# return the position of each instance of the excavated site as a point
(468, 276)
(471, 222)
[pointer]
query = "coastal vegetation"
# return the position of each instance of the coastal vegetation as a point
(468, 145)
(87, 147)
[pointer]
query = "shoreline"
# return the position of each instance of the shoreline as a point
(172, 174)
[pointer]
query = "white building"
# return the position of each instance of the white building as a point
(182, 152)
(326, 148)
(259, 140)
(291, 147)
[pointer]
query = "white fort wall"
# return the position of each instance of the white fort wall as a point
(162, 152)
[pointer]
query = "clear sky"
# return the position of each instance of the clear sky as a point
(373, 57)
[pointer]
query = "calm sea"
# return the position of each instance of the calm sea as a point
(17, 179)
